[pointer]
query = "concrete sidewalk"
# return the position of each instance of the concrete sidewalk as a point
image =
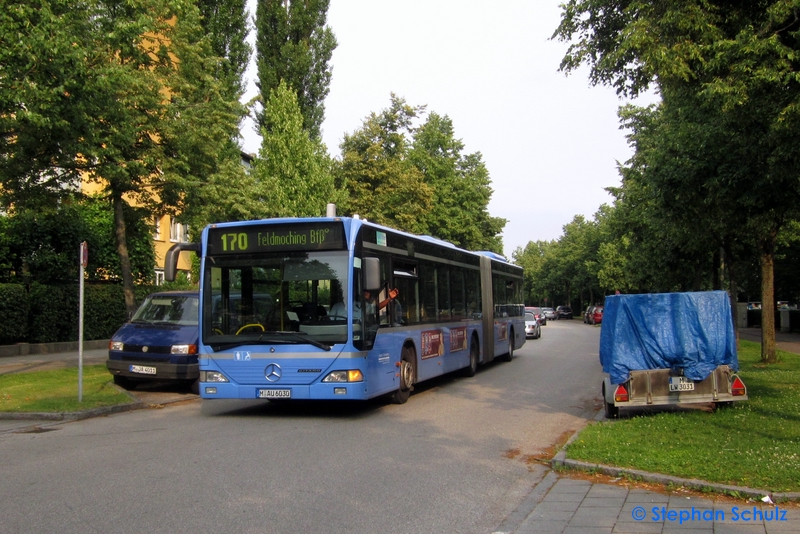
(788, 341)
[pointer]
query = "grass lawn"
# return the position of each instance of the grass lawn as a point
(57, 391)
(754, 443)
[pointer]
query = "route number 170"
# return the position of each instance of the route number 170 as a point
(234, 242)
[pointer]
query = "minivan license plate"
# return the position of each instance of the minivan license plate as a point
(680, 383)
(274, 393)
(142, 369)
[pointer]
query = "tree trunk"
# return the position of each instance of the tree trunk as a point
(768, 302)
(733, 291)
(121, 235)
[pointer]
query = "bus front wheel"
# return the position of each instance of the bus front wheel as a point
(408, 359)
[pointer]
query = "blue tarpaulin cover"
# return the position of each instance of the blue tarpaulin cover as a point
(692, 331)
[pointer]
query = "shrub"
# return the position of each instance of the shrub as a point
(14, 311)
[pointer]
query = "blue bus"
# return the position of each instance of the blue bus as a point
(341, 308)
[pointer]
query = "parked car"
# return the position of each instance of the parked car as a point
(587, 315)
(159, 342)
(532, 327)
(563, 312)
(538, 313)
(549, 313)
(597, 315)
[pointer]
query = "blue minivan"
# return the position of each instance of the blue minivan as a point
(159, 343)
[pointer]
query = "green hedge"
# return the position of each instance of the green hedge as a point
(49, 313)
(14, 311)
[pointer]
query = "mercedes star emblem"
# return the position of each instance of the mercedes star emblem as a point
(273, 372)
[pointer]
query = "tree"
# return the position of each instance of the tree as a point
(382, 183)
(42, 245)
(737, 61)
(121, 94)
(531, 259)
(294, 45)
(461, 187)
(293, 169)
(225, 22)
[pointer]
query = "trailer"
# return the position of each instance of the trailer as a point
(669, 349)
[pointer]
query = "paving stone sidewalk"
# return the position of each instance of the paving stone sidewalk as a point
(564, 505)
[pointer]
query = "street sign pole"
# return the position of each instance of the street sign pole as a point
(84, 260)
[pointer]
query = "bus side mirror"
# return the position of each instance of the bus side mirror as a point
(372, 274)
(171, 259)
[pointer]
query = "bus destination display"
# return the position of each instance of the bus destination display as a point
(276, 238)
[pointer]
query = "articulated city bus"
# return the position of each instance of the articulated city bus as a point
(341, 308)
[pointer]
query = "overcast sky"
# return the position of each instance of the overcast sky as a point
(551, 143)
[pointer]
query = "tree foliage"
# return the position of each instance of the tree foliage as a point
(418, 179)
(730, 85)
(294, 45)
(382, 183)
(112, 91)
(42, 245)
(461, 187)
(293, 170)
(225, 23)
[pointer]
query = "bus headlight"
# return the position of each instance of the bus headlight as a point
(212, 376)
(353, 375)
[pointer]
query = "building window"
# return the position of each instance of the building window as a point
(159, 277)
(178, 233)
(157, 228)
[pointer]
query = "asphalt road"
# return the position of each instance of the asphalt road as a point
(460, 456)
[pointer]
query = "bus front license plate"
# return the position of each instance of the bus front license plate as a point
(680, 383)
(142, 369)
(274, 393)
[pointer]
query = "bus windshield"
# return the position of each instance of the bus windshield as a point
(274, 299)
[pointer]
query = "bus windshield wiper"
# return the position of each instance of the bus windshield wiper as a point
(299, 337)
(265, 338)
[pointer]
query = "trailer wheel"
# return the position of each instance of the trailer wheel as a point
(611, 411)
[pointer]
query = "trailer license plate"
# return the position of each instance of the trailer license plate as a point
(142, 369)
(274, 393)
(680, 383)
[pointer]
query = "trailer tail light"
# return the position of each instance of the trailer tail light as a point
(621, 394)
(737, 387)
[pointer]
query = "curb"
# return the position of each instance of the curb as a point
(71, 416)
(67, 417)
(560, 461)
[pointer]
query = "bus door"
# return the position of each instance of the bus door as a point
(381, 369)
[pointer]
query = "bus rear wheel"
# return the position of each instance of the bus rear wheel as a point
(510, 355)
(408, 360)
(474, 355)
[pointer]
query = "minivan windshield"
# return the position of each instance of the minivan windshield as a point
(168, 309)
